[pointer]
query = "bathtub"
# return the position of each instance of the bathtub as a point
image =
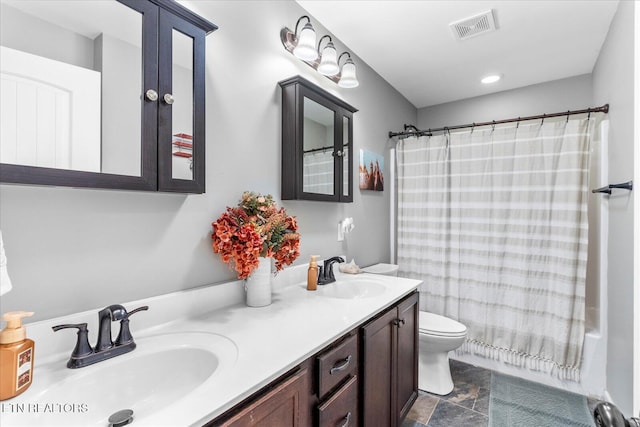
(592, 373)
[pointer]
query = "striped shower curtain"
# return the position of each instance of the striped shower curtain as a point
(494, 221)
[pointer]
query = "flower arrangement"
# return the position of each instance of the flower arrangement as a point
(255, 228)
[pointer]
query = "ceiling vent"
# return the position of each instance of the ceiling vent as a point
(473, 26)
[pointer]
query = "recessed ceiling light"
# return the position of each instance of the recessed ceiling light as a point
(491, 79)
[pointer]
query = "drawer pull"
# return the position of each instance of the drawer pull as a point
(346, 419)
(340, 367)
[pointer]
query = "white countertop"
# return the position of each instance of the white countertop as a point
(270, 341)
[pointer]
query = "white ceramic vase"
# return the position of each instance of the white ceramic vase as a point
(258, 285)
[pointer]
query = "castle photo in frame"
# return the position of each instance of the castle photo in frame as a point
(371, 171)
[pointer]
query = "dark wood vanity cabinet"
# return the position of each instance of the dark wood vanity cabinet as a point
(317, 143)
(368, 378)
(389, 364)
(146, 77)
(283, 405)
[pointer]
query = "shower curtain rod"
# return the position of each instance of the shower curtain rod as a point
(417, 132)
(315, 150)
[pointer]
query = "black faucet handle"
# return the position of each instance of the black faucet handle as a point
(134, 311)
(124, 336)
(82, 347)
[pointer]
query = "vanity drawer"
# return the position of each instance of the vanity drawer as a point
(341, 409)
(337, 364)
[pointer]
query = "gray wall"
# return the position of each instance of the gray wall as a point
(613, 82)
(79, 249)
(559, 95)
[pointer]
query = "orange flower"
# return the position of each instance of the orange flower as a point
(255, 228)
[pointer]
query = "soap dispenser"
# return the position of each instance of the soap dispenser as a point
(312, 274)
(16, 356)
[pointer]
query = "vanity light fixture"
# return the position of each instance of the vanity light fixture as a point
(323, 59)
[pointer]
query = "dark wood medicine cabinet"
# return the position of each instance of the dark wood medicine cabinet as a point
(131, 96)
(317, 143)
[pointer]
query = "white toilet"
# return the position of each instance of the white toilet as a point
(438, 335)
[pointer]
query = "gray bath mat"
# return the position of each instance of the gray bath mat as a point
(515, 402)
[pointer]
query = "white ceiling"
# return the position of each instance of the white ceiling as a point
(410, 44)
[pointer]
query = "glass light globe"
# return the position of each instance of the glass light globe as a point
(329, 62)
(306, 47)
(348, 78)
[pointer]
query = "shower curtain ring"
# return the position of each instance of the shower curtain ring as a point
(568, 112)
(518, 123)
(493, 126)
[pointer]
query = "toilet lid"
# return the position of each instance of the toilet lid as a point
(381, 268)
(435, 324)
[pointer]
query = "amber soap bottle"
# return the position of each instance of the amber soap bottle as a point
(16, 356)
(312, 274)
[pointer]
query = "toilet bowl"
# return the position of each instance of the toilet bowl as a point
(438, 335)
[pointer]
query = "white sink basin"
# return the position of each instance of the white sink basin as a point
(351, 289)
(162, 370)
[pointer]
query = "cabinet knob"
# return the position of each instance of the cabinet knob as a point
(399, 322)
(168, 98)
(151, 95)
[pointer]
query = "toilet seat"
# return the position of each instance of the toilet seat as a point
(434, 324)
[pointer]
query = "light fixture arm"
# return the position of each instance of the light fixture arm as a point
(342, 54)
(322, 38)
(295, 33)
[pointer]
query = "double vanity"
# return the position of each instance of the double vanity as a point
(203, 357)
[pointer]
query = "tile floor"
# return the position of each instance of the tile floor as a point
(466, 406)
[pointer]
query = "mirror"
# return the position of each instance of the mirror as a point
(346, 156)
(68, 67)
(318, 134)
(182, 112)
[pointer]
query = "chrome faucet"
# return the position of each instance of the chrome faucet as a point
(84, 355)
(325, 273)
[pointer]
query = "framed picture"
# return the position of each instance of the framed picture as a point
(371, 171)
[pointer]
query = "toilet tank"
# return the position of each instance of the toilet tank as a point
(382, 268)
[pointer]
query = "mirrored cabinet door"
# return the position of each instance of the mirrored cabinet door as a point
(83, 88)
(318, 148)
(317, 143)
(181, 109)
(347, 158)
(72, 76)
